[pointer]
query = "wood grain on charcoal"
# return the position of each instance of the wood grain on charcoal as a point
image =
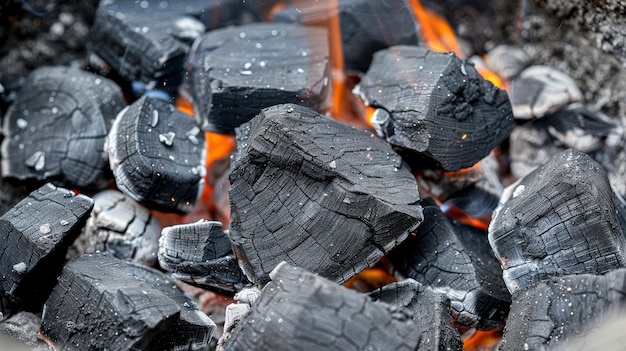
(254, 66)
(560, 219)
(316, 193)
(104, 303)
(436, 104)
(201, 254)
(455, 260)
(56, 128)
(157, 155)
(34, 235)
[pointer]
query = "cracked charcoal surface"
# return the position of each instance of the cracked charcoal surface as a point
(56, 128)
(455, 260)
(274, 63)
(560, 308)
(560, 219)
(366, 26)
(438, 105)
(126, 306)
(157, 155)
(316, 193)
(34, 235)
(200, 254)
(123, 227)
(299, 310)
(429, 309)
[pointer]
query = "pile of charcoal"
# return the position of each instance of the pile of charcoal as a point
(93, 156)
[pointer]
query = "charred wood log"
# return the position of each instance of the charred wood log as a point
(436, 105)
(157, 155)
(455, 260)
(200, 254)
(121, 306)
(558, 220)
(35, 234)
(316, 193)
(254, 66)
(56, 128)
(123, 227)
(430, 310)
(300, 310)
(561, 308)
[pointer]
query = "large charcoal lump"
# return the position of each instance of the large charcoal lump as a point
(316, 193)
(56, 128)
(435, 104)
(560, 219)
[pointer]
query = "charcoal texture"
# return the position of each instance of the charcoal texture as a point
(200, 254)
(316, 193)
(56, 128)
(435, 104)
(430, 311)
(34, 235)
(299, 310)
(560, 308)
(104, 303)
(560, 219)
(157, 155)
(455, 260)
(254, 66)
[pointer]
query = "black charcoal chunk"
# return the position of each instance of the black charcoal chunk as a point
(104, 303)
(559, 309)
(34, 236)
(123, 227)
(299, 310)
(455, 260)
(558, 220)
(251, 67)
(436, 105)
(366, 26)
(200, 254)
(318, 194)
(430, 311)
(157, 155)
(56, 128)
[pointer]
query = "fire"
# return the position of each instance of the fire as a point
(482, 341)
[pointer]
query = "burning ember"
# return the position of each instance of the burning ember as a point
(339, 174)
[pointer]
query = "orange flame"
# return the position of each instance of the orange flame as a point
(482, 341)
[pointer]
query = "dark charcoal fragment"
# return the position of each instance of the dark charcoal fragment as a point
(200, 254)
(366, 26)
(56, 128)
(435, 104)
(455, 260)
(34, 236)
(316, 193)
(254, 66)
(561, 308)
(558, 220)
(123, 227)
(299, 310)
(104, 303)
(157, 155)
(429, 309)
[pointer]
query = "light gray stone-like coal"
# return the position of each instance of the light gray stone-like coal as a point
(121, 226)
(200, 254)
(300, 310)
(104, 303)
(455, 260)
(435, 104)
(318, 194)
(235, 72)
(157, 155)
(34, 236)
(56, 128)
(558, 220)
